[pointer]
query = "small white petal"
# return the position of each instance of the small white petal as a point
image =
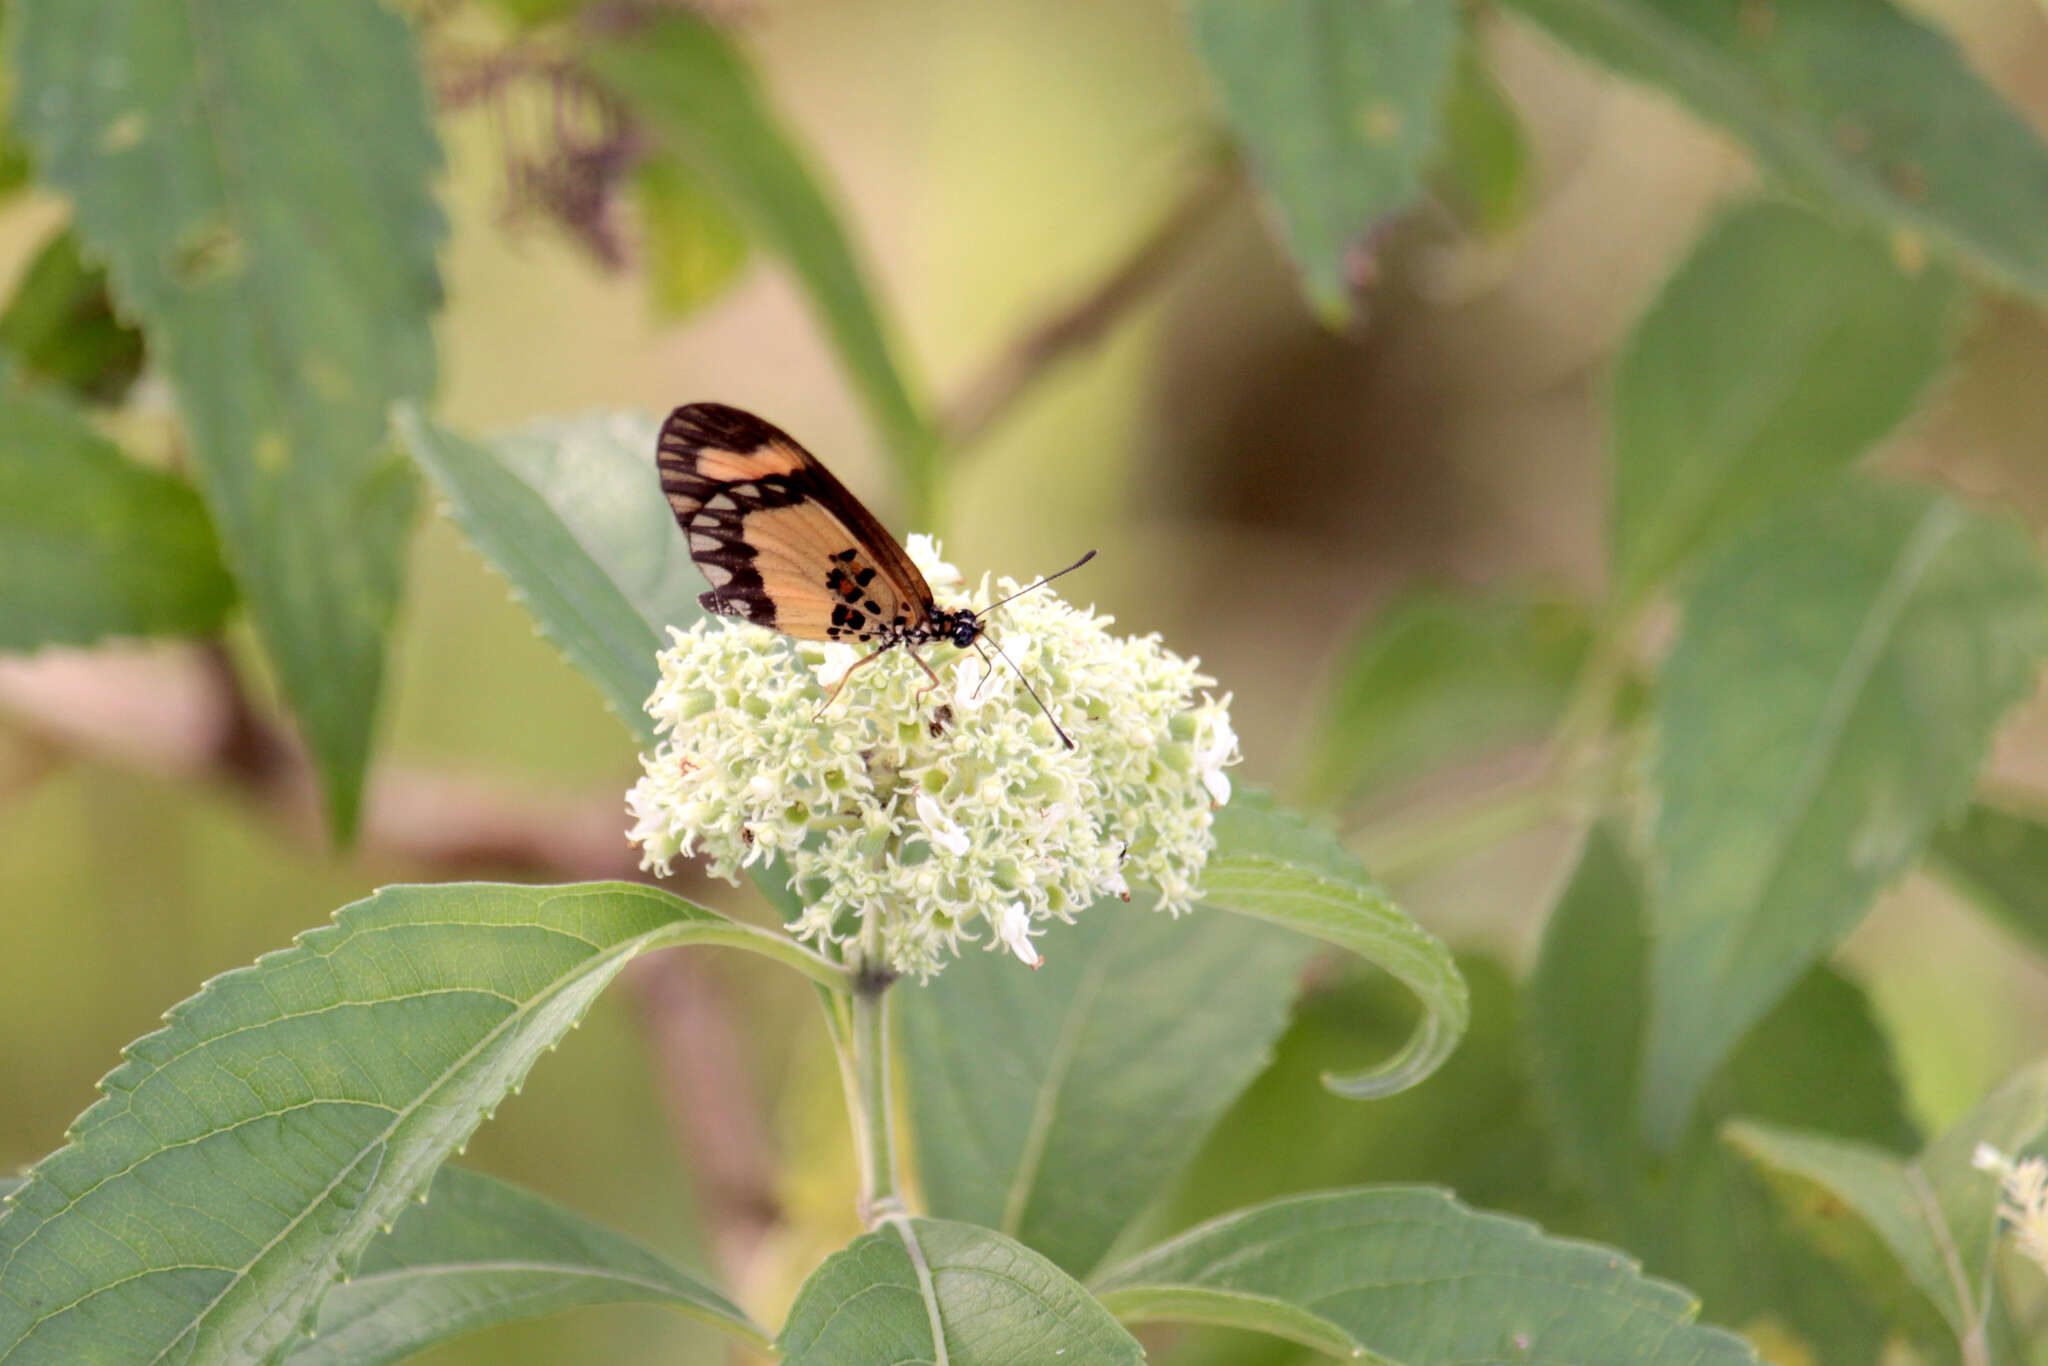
(1221, 744)
(1218, 783)
(925, 554)
(972, 685)
(943, 832)
(1015, 932)
(1989, 1159)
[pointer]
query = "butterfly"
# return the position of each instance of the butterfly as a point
(787, 546)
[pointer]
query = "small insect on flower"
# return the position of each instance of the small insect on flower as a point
(787, 546)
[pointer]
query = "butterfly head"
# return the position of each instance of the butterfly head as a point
(962, 628)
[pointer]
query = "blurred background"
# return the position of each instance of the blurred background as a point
(1259, 486)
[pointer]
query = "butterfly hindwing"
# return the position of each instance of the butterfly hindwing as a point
(784, 544)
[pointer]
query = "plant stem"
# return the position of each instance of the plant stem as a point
(859, 1023)
(1590, 708)
(1084, 319)
(874, 1125)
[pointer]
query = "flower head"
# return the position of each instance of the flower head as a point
(931, 815)
(2023, 1202)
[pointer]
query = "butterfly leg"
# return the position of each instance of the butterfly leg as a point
(926, 689)
(833, 696)
(988, 671)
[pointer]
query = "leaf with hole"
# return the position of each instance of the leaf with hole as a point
(214, 155)
(61, 325)
(92, 544)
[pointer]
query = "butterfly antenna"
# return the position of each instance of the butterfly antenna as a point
(1040, 584)
(1066, 738)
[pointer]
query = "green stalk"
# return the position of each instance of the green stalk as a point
(860, 1032)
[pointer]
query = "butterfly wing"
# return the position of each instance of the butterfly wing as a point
(784, 544)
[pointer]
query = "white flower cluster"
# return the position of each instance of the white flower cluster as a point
(2023, 1198)
(919, 813)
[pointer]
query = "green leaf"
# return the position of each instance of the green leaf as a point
(885, 1297)
(1339, 104)
(571, 513)
(15, 171)
(1052, 1105)
(1935, 1213)
(1585, 1008)
(1831, 695)
(1781, 351)
(1232, 1309)
(1699, 1215)
(1704, 1219)
(692, 248)
(1487, 171)
(244, 1155)
(1853, 102)
(1272, 865)
(1422, 1280)
(533, 13)
(1999, 860)
(1471, 1127)
(91, 543)
(1437, 676)
(480, 1252)
(257, 179)
(61, 326)
(700, 95)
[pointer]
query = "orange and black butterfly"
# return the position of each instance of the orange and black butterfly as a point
(786, 546)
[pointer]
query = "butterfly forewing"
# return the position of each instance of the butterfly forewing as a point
(784, 544)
